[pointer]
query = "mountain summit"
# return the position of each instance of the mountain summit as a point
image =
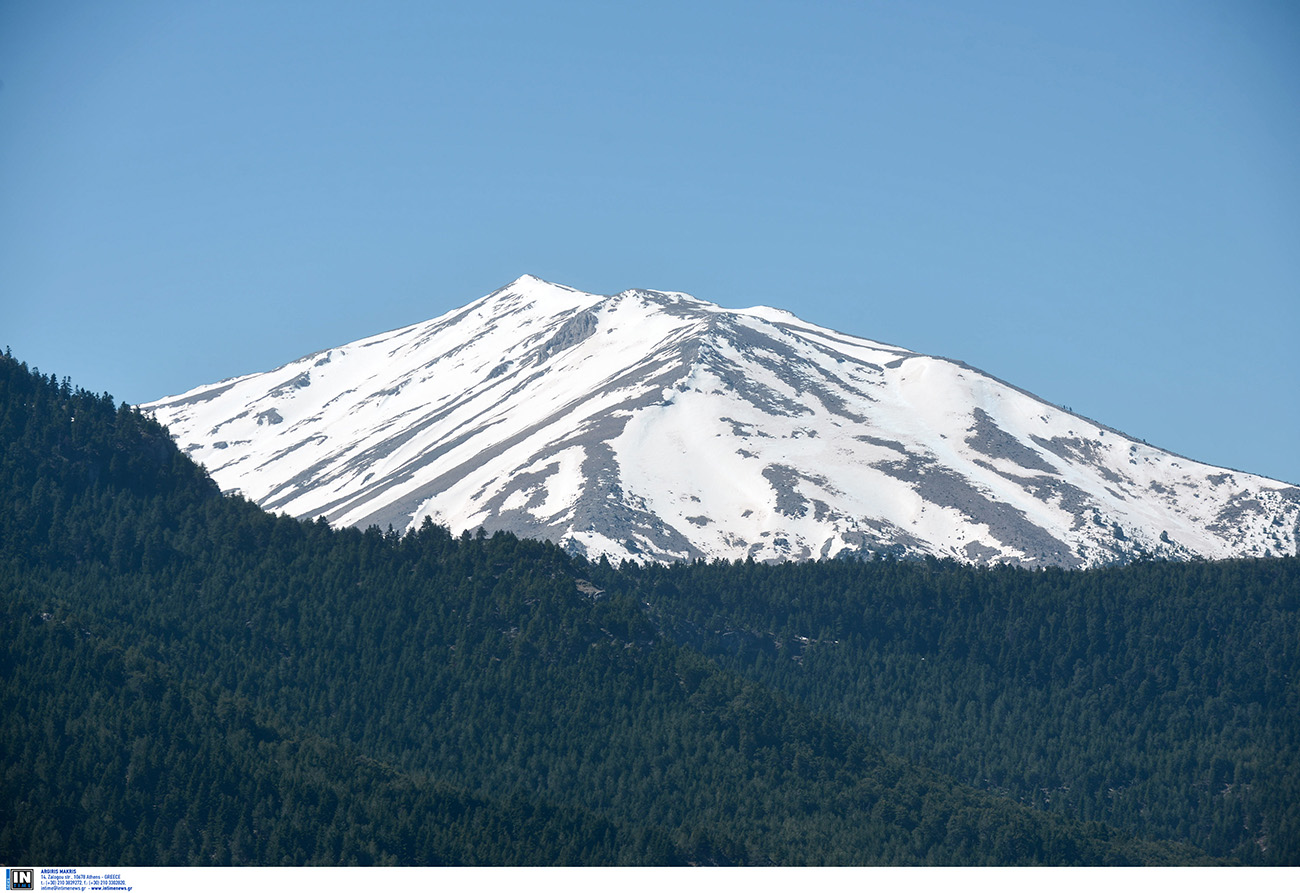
(654, 426)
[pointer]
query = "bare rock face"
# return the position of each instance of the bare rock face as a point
(654, 426)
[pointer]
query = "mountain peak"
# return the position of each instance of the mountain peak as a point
(532, 287)
(529, 282)
(654, 425)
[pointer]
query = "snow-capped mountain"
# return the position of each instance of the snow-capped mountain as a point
(652, 425)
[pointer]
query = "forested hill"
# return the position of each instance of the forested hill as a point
(189, 680)
(1162, 698)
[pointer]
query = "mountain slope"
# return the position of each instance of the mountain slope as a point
(200, 682)
(654, 425)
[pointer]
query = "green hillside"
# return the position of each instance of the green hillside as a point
(1160, 698)
(194, 681)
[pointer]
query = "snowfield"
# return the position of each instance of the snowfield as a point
(655, 426)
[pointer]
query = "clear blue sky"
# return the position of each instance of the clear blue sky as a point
(1099, 202)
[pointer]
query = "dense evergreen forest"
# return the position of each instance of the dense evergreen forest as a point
(190, 680)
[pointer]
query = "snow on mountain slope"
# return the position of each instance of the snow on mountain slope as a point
(652, 425)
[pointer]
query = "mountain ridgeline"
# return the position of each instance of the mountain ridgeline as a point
(189, 679)
(654, 426)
